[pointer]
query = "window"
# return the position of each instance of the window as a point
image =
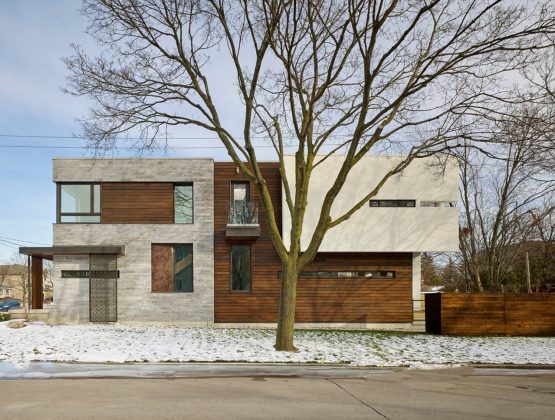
(240, 193)
(349, 274)
(392, 203)
(438, 204)
(78, 203)
(183, 203)
(241, 210)
(172, 267)
(241, 268)
(183, 268)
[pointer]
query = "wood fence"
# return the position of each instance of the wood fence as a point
(490, 314)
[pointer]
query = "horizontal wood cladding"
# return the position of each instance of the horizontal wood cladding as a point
(490, 314)
(137, 202)
(318, 300)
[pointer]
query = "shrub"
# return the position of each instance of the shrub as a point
(4, 316)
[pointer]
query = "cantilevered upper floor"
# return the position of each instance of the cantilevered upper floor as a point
(414, 211)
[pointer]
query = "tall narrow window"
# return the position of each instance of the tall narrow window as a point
(241, 268)
(241, 211)
(183, 203)
(78, 203)
(183, 268)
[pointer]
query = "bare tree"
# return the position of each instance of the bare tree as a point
(501, 197)
(20, 275)
(314, 76)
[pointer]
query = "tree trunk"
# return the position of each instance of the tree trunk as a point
(287, 303)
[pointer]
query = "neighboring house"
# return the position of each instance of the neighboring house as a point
(185, 241)
(12, 281)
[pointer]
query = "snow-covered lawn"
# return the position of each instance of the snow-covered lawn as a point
(117, 343)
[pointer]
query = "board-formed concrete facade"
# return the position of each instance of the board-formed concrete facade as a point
(135, 300)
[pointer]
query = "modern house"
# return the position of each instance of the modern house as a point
(185, 241)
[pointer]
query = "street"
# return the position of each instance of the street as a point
(454, 393)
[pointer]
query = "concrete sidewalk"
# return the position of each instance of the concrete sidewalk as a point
(416, 394)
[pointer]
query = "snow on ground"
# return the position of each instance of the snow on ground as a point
(119, 344)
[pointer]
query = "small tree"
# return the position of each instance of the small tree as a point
(429, 270)
(317, 77)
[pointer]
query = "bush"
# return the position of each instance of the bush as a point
(4, 316)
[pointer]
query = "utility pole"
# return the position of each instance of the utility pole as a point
(528, 284)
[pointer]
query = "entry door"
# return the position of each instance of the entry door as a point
(103, 304)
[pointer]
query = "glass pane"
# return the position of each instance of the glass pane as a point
(80, 219)
(241, 267)
(76, 198)
(96, 191)
(240, 193)
(183, 203)
(183, 268)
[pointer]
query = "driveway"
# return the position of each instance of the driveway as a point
(460, 393)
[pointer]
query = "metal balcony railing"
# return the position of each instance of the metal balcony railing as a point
(243, 214)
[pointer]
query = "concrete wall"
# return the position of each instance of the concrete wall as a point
(136, 302)
(372, 229)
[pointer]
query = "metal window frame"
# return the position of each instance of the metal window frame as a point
(184, 184)
(303, 274)
(192, 268)
(383, 200)
(91, 185)
(239, 182)
(231, 268)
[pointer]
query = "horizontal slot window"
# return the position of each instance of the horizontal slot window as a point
(85, 274)
(438, 204)
(392, 203)
(348, 274)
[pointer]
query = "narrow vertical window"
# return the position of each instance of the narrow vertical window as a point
(241, 268)
(183, 268)
(183, 203)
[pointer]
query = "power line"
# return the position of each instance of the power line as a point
(9, 246)
(21, 240)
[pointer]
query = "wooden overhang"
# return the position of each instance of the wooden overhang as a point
(47, 252)
(242, 232)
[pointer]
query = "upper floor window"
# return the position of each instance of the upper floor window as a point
(183, 203)
(438, 204)
(78, 203)
(392, 203)
(241, 210)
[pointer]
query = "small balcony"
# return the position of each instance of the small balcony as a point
(242, 221)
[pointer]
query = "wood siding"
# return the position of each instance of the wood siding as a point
(137, 202)
(318, 300)
(162, 268)
(490, 314)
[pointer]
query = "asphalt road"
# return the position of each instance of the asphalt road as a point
(463, 393)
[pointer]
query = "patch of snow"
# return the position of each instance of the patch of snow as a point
(121, 344)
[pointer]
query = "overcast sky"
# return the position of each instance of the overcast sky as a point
(34, 36)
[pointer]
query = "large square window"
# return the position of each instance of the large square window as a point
(183, 203)
(78, 203)
(172, 267)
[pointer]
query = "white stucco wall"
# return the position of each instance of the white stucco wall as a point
(135, 301)
(372, 229)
